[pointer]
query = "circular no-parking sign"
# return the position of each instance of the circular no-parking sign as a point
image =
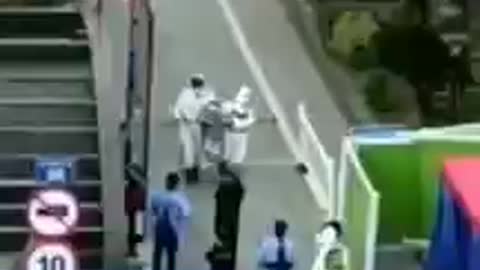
(53, 212)
(51, 257)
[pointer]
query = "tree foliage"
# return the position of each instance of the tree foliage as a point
(416, 52)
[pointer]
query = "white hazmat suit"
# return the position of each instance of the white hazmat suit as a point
(236, 137)
(189, 103)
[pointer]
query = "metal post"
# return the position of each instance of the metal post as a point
(141, 47)
(150, 74)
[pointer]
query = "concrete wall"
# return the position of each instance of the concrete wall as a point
(107, 23)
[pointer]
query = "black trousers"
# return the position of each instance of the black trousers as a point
(132, 237)
(158, 249)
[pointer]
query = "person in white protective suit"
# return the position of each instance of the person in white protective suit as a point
(214, 121)
(190, 101)
(236, 137)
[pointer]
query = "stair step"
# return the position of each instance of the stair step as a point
(46, 101)
(54, 91)
(32, 156)
(11, 182)
(50, 130)
(36, 10)
(55, 49)
(43, 123)
(21, 194)
(16, 241)
(22, 166)
(67, 130)
(42, 23)
(42, 42)
(61, 142)
(53, 115)
(49, 70)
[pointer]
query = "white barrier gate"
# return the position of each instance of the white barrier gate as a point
(321, 166)
(358, 208)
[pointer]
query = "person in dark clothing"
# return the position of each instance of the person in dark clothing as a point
(220, 256)
(135, 196)
(228, 199)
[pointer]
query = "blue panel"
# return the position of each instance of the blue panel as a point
(454, 243)
(59, 169)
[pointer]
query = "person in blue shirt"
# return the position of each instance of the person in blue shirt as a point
(276, 252)
(169, 212)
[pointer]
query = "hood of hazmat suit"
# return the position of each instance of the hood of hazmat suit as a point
(243, 95)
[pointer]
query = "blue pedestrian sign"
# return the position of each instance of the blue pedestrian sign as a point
(55, 169)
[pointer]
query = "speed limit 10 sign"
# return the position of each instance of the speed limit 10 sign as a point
(52, 257)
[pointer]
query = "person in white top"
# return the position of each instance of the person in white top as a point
(327, 240)
(189, 103)
(236, 137)
(276, 252)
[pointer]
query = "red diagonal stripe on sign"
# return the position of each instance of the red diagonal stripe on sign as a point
(46, 205)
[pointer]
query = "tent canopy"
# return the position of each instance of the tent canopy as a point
(462, 177)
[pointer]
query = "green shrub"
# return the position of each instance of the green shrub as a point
(363, 58)
(377, 95)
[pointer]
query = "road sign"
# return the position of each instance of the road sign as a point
(53, 212)
(55, 169)
(51, 257)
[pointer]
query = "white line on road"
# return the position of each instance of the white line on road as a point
(259, 76)
(267, 91)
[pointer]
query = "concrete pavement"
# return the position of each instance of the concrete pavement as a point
(192, 36)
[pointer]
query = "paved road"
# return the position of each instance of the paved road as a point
(291, 71)
(192, 36)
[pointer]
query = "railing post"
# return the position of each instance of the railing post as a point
(331, 188)
(301, 136)
(342, 180)
(371, 233)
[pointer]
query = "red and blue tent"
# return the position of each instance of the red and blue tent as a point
(455, 242)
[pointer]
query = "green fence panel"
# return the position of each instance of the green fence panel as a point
(394, 173)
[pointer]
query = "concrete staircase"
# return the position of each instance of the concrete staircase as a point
(47, 106)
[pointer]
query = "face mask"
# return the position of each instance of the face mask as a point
(198, 92)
